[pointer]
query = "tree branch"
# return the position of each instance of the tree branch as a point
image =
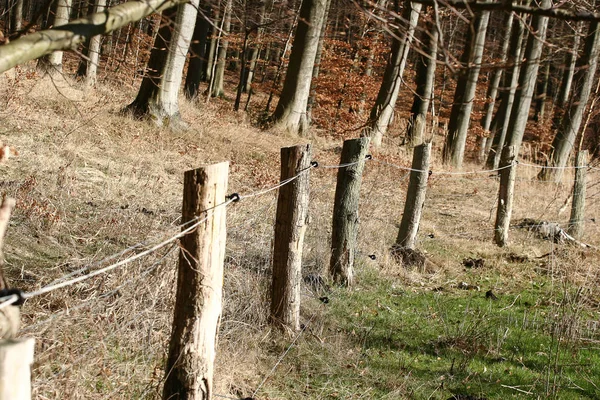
(66, 37)
(481, 5)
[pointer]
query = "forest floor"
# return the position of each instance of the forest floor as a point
(91, 183)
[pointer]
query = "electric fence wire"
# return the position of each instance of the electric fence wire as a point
(83, 304)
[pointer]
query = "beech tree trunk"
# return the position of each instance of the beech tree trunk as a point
(527, 78)
(218, 89)
(52, 63)
(564, 91)
(460, 116)
(383, 109)
(89, 68)
(290, 112)
(158, 94)
(499, 124)
(569, 128)
(345, 211)
(196, 67)
(543, 87)
(16, 16)
(492, 91)
(426, 66)
(212, 50)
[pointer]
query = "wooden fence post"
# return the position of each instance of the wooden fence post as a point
(576, 222)
(505, 195)
(290, 226)
(189, 368)
(16, 357)
(345, 210)
(415, 197)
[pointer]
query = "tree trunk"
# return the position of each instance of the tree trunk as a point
(89, 67)
(383, 109)
(415, 197)
(212, 49)
(499, 124)
(527, 77)
(196, 70)
(52, 63)
(290, 112)
(460, 116)
(158, 94)
(345, 210)
(426, 66)
(569, 128)
(16, 20)
(218, 89)
(542, 94)
(564, 91)
(247, 86)
(315, 73)
(576, 221)
(492, 91)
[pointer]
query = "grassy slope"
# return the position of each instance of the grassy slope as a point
(91, 182)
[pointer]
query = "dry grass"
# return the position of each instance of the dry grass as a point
(91, 182)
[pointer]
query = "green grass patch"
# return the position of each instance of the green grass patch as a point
(383, 340)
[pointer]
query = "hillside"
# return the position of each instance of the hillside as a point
(91, 183)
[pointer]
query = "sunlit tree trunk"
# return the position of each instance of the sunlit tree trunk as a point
(492, 91)
(52, 63)
(290, 112)
(157, 97)
(426, 66)
(499, 124)
(218, 89)
(383, 109)
(196, 65)
(460, 116)
(527, 77)
(16, 16)
(569, 128)
(564, 91)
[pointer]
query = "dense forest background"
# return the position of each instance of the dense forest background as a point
(347, 68)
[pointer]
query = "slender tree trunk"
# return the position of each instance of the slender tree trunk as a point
(426, 66)
(527, 77)
(315, 73)
(499, 125)
(383, 109)
(569, 128)
(52, 63)
(290, 112)
(218, 89)
(195, 71)
(564, 91)
(247, 86)
(16, 20)
(460, 116)
(492, 91)
(542, 94)
(89, 68)
(158, 94)
(212, 50)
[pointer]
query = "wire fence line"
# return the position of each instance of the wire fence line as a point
(67, 281)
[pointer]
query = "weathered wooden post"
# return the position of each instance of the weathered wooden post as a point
(505, 196)
(189, 368)
(345, 210)
(290, 226)
(16, 355)
(415, 197)
(576, 222)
